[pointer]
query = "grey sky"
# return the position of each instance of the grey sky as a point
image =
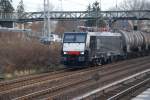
(73, 5)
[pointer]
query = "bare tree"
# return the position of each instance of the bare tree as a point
(98, 22)
(136, 5)
(6, 6)
(20, 9)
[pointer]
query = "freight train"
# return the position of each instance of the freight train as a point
(83, 48)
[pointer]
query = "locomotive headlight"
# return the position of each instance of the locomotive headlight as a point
(65, 52)
(82, 53)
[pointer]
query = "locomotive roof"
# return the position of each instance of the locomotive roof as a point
(104, 34)
(75, 33)
(96, 33)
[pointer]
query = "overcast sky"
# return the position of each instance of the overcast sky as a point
(67, 5)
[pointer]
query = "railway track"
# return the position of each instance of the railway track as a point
(22, 81)
(28, 79)
(58, 85)
(131, 89)
(124, 89)
(53, 79)
(90, 85)
(89, 76)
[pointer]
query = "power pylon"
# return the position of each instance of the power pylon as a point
(47, 29)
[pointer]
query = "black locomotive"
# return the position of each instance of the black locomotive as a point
(80, 48)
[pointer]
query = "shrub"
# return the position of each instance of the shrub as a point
(23, 53)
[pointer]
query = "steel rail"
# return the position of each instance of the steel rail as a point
(47, 91)
(109, 85)
(114, 64)
(19, 80)
(127, 90)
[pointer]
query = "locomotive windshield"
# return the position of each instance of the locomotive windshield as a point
(74, 37)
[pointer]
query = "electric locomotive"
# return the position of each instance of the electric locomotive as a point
(83, 48)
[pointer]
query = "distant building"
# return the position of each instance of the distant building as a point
(145, 26)
(122, 24)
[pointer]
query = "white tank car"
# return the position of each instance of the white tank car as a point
(146, 40)
(134, 40)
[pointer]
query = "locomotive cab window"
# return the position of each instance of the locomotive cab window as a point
(74, 37)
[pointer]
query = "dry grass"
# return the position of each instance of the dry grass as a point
(21, 53)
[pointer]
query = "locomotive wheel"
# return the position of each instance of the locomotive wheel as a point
(109, 60)
(99, 62)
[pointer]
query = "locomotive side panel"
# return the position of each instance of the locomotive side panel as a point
(105, 46)
(110, 44)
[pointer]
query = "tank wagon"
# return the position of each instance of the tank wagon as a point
(81, 48)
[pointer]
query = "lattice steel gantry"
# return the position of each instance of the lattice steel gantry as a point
(82, 15)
